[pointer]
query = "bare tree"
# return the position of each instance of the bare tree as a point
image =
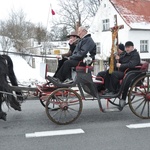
(73, 11)
(92, 7)
(40, 34)
(58, 33)
(13, 28)
(21, 31)
(5, 43)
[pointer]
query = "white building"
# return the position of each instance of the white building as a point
(133, 14)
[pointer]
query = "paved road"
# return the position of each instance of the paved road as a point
(102, 131)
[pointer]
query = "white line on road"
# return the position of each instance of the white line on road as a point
(54, 133)
(141, 125)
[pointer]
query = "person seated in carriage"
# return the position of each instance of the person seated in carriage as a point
(105, 74)
(85, 45)
(128, 60)
(73, 40)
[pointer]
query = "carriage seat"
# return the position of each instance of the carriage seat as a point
(81, 67)
(142, 67)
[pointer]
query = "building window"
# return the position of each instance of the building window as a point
(144, 46)
(106, 24)
(98, 48)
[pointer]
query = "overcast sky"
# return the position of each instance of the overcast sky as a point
(36, 10)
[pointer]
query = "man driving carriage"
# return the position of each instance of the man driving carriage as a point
(85, 45)
(73, 40)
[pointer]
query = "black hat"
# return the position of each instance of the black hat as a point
(121, 46)
(73, 33)
(129, 43)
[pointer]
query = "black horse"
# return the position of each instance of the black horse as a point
(6, 92)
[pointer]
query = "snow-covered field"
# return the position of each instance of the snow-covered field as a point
(25, 74)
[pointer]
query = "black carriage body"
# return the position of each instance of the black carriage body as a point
(85, 81)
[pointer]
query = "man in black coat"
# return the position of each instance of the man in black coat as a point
(85, 45)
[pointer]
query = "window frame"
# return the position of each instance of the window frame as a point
(144, 46)
(106, 25)
(98, 47)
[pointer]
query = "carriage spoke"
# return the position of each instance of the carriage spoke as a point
(56, 113)
(140, 91)
(148, 108)
(143, 108)
(65, 116)
(55, 108)
(133, 102)
(60, 116)
(148, 86)
(69, 113)
(139, 105)
(73, 104)
(67, 97)
(72, 109)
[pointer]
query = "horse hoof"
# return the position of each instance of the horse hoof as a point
(3, 116)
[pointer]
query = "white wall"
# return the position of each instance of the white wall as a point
(136, 36)
(107, 11)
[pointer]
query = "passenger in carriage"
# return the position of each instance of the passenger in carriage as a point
(129, 60)
(85, 45)
(105, 74)
(73, 40)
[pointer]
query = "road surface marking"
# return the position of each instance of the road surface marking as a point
(54, 133)
(141, 125)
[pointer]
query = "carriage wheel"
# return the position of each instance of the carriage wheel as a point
(65, 104)
(43, 99)
(43, 102)
(139, 97)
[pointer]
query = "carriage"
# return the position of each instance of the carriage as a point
(63, 102)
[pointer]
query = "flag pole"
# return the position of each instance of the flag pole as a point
(52, 13)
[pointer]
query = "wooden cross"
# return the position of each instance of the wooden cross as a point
(115, 42)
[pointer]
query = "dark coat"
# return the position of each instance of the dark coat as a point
(71, 49)
(84, 46)
(129, 60)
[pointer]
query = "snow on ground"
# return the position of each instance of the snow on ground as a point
(25, 74)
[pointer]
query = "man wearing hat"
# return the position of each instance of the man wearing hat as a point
(129, 60)
(73, 40)
(84, 46)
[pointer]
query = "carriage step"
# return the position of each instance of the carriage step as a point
(115, 109)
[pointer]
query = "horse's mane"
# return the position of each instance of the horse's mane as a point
(11, 73)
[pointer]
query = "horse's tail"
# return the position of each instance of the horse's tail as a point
(8, 97)
(12, 76)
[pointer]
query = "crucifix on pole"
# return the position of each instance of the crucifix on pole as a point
(115, 42)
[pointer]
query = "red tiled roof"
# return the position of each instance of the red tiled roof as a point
(133, 11)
